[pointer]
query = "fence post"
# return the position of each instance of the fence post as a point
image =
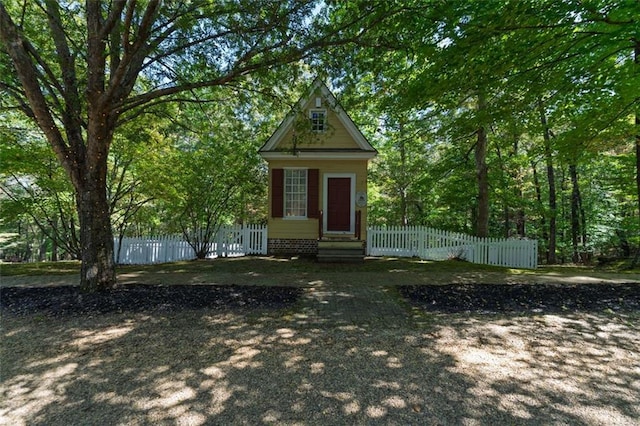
(218, 240)
(265, 241)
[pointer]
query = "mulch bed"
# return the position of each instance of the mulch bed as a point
(524, 298)
(453, 298)
(67, 300)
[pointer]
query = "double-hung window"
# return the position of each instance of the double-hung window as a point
(295, 193)
(318, 118)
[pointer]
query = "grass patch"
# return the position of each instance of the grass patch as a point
(64, 267)
(255, 264)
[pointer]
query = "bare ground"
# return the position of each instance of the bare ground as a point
(325, 347)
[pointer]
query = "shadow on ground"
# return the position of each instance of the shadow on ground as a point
(317, 362)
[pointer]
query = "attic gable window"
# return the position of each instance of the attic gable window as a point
(295, 193)
(318, 118)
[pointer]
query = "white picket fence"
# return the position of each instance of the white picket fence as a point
(233, 240)
(433, 244)
(400, 241)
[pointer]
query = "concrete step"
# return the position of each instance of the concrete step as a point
(341, 258)
(340, 244)
(341, 252)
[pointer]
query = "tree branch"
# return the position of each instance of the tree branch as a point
(16, 48)
(114, 15)
(71, 112)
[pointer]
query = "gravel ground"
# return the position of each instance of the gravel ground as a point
(196, 355)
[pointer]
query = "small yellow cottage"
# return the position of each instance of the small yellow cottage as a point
(318, 180)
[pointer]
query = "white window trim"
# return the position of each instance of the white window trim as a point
(324, 124)
(284, 195)
(352, 215)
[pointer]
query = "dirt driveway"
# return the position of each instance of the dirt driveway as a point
(341, 352)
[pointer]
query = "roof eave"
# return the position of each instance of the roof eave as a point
(317, 155)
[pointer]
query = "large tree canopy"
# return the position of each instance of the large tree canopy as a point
(484, 84)
(81, 70)
(516, 118)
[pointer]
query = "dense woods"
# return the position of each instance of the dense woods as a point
(509, 119)
(505, 118)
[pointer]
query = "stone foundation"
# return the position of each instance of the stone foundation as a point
(290, 246)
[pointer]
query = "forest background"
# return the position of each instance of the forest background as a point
(503, 118)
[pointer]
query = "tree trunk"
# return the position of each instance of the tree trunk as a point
(505, 177)
(586, 257)
(575, 212)
(636, 58)
(404, 215)
(54, 250)
(520, 215)
(96, 239)
(536, 184)
(94, 211)
(636, 259)
(42, 250)
(482, 176)
(551, 254)
(507, 220)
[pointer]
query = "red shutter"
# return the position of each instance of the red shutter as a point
(277, 192)
(313, 181)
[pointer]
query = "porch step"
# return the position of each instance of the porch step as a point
(340, 244)
(343, 251)
(340, 259)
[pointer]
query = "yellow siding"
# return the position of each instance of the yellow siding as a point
(336, 137)
(308, 228)
(292, 228)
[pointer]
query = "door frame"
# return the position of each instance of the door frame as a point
(352, 215)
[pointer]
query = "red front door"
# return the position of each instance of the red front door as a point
(339, 204)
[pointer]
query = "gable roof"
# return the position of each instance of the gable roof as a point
(364, 150)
